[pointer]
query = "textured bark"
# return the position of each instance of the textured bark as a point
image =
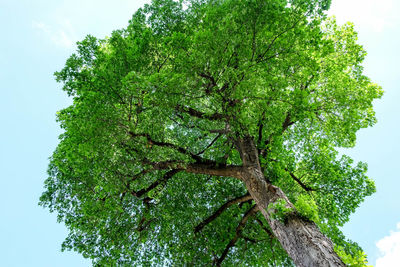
(301, 239)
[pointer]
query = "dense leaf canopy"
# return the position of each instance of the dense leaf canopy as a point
(158, 103)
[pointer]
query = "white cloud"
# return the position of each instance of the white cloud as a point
(63, 35)
(389, 248)
(373, 14)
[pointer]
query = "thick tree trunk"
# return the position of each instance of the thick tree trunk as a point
(301, 238)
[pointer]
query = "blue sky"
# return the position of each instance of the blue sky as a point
(38, 36)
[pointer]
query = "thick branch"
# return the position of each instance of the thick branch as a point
(288, 121)
(213, 82)
(260, 129)
(227, 171)
(218, 212)
(199, 168)
(238, 232)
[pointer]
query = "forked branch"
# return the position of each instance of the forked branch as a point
(218, 212)
(238, 232)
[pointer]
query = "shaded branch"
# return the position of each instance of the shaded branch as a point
(218, 212)
(157, 143)
(226, 170)
(261, 57)
(288, 121)
(269, 233)
(252, 240)
(169, 145)
(285, 125)
(238, 232)
(219, 131)
(165, 178)
(144, 223)
(260, 129)
(210, 168)
(198, 114)
(201, 166)
(305, 187)
(209, 145)
(212, 83)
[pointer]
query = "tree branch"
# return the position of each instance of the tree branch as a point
(218, 212)
(209, 145)
(225, 170)
(260, 129)
(157, 143)
(212, 83)
(288, 121)
(238, 232)
(165, 178)
(201, 166)
(305, 187)
(169, 145)
(209, 168)
(269, 233)
(198, 114)
(260, 57)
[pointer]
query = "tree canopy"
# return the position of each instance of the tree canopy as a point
(144, 173)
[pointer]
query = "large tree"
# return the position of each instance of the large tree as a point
(206, 132)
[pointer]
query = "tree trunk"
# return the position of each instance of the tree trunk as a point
(301, 239)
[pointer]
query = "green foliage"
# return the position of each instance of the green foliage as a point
(178, 86)
(279, 210)
(357, 260)
(307, 207)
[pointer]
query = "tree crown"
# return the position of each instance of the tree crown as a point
(144, 171)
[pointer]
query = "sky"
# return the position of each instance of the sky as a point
(37, 38)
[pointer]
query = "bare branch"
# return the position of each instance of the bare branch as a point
(218, 212)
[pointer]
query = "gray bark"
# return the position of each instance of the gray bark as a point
(301, 239)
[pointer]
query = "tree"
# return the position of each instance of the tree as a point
(206, 132)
